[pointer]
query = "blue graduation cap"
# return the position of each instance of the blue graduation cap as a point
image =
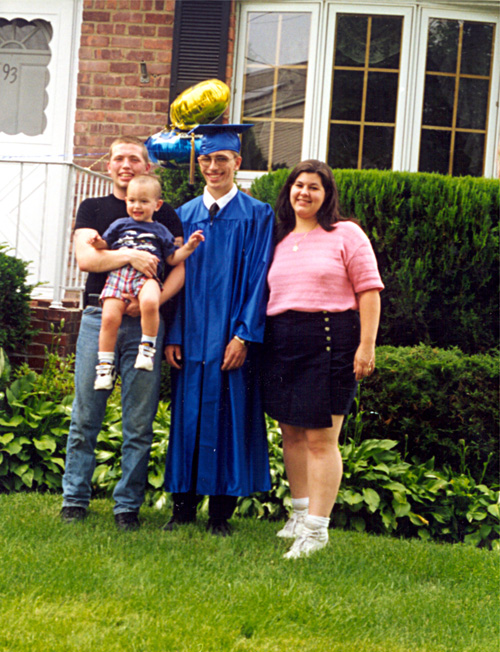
(215, 138)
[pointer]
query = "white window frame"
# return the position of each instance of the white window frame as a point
(329, 45)
(493, 129)
(245, 177)
(411, 73)
(56, 142)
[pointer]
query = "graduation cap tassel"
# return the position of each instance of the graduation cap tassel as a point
(192, 162)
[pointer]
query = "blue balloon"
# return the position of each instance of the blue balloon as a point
(171, 149)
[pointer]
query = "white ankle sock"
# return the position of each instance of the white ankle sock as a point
(300, 504)
(317, 522)
(106, 356)
(149, 339)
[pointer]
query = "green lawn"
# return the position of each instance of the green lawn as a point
(87, 587)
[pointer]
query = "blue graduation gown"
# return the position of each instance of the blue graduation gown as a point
(225, 294)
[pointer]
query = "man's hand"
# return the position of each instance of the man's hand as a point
(143, 261)
(234, 356)
(173, 355)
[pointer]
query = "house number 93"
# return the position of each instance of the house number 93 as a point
(9, 73)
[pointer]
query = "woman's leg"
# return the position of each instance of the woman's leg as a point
(295, 456)
(323, 464)
(324, 467)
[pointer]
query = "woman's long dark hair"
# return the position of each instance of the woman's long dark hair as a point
(328, 214)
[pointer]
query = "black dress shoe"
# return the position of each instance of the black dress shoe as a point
(175, 521)
(220, 527)
(70, 514)
(127, 521)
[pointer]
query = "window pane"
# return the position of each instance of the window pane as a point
(476, 48)
(255, 146)
(24, 57)
(438, 101)
(291, 93)
(259, 87)
(294, 48)
(350, 44)
(469, 154)
(434, 151)
(343, 146)
(377, 148)
(261, 38)
(287, 145)
(442, 48)
(381, 97)
(472, 103)
(347, 95)
(385, 40)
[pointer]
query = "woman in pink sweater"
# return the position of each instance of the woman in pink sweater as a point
(323, 317)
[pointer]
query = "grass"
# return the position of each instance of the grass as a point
(87, 587)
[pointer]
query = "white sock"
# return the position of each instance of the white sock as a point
(106, 356)
(149, 340)
(317, 522)
(300, 504)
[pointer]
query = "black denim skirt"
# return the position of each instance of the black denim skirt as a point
(308, 366)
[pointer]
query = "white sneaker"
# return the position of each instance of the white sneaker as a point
(293, 526)
(105, 375)
(307, 542)
(145, 357)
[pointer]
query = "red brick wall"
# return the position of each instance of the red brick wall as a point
(57, 332)
(116, 36)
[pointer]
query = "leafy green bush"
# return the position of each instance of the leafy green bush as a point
(15, 296)
(382, 493)
(440, 404)
(176, 188)
(436, 240)
(33, 429)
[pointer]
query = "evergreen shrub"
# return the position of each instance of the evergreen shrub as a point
(175, 185)
(15, 296)
(436, 241)
(437, 403)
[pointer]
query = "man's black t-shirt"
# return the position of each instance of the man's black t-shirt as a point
(99, 212)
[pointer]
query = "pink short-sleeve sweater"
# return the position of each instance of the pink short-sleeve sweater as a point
(326, 272)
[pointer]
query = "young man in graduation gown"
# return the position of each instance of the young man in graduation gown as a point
(218, 443)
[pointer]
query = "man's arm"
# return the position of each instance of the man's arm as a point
(90, 259)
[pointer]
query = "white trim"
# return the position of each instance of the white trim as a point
(56, 142)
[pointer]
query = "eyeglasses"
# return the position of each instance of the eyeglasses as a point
(205, 161)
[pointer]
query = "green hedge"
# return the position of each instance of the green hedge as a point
(436, 240)
(437, 403)
(15, 297)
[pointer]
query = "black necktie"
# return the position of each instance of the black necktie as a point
(213, 210)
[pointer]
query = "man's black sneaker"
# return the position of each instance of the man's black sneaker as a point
(127, 521)
(70, 513)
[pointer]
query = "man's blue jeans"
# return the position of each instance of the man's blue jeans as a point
(140, 394)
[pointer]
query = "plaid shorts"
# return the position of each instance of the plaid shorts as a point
(124, 280)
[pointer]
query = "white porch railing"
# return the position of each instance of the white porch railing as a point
(38, 204)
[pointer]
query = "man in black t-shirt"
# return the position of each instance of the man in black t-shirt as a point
(140, 389)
